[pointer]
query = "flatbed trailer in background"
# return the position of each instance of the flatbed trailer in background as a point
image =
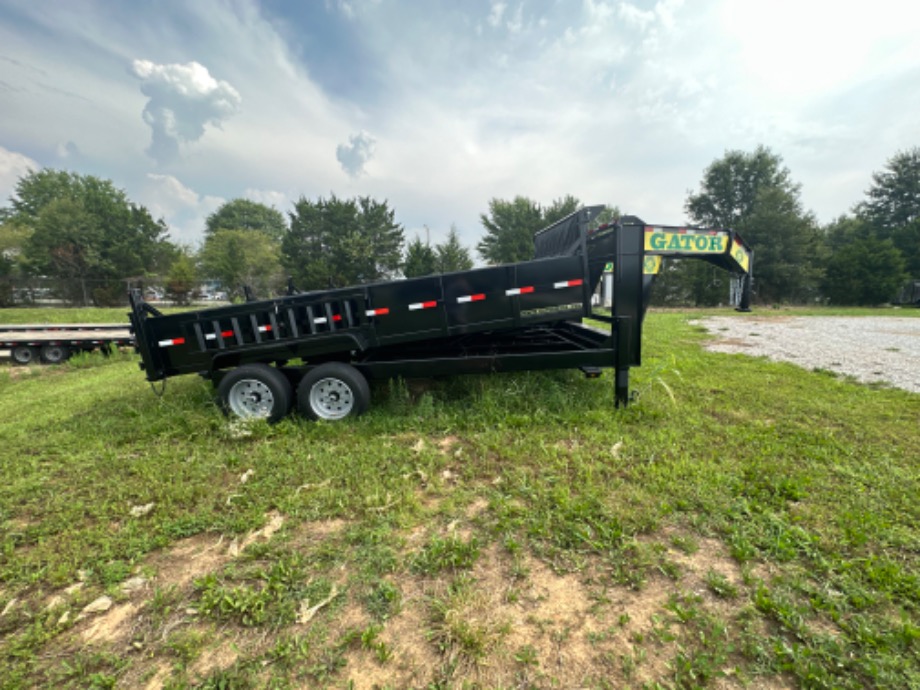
(327, 344)
(55, 343)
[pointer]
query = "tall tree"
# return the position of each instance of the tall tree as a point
(243, 214)
(452, 255)
(865, 271)
(13, 238)
(87, 234)
(510, 226)
(421, 259)
(182, 279)
(893, 206)
(242, 257)
(894, 197)
(753, 193)
(339, 242)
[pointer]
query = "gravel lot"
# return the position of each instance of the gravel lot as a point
(871, 349)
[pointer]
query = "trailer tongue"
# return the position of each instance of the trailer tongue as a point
(518, 316)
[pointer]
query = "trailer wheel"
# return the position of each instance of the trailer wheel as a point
(255, 391)
(54, 354)
(333, 391)
(23, 354)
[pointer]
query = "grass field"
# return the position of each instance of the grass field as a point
(745, 524)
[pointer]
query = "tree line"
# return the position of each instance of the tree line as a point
(90, 240)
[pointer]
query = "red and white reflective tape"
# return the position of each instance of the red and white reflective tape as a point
(568, 283)
(223, 334)
(478, 297)
(415, 306)
(264, 329)
(377, 312)
(519, 291)
(171, 342)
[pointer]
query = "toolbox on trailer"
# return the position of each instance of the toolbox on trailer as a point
(526, 315)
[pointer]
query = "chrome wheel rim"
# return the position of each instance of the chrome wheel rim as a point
(331, 398)
(251, 399)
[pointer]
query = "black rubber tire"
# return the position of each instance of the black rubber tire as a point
(333, 391)
(255, 391)
(54, 354)
(23, 354)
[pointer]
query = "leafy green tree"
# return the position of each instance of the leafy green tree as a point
(559, 209)
(753, 194)
(242, 257)
(894, 197)
(510, 226)
(451, 255)
(893, 206)
(182, 279)
(865, 271)
(338, 242)
(844, 230)
(87, 234)
(420, 259)
(13, 237)
(243, 214)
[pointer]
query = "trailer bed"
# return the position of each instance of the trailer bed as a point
(54, 343)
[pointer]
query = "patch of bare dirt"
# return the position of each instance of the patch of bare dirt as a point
(114, 625)
(189, 559)
(216, 657)
(158, 679)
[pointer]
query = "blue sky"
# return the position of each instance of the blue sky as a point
(439, 106)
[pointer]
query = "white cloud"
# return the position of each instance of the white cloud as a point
(183, 209)
(496, 12)
(13, 165)
(68, 150)
(354, 155)
(269, 197)
(632, 15)
(182, 100)
(623, 101)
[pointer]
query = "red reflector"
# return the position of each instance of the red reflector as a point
(227, 334)
(575, 283)
(477, 297)
(336, 317)
(178, 341)
(429, 305)
(527, 290)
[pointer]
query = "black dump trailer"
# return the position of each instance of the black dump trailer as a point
(55, 343)
(320, 348)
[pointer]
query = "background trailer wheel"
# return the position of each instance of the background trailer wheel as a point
(255, 391)
(23, 354)
(54, 354)
(333, 391)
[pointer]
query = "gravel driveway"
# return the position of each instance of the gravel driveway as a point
(869, 348)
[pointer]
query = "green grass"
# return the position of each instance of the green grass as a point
(749, 520)
(18, 315)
